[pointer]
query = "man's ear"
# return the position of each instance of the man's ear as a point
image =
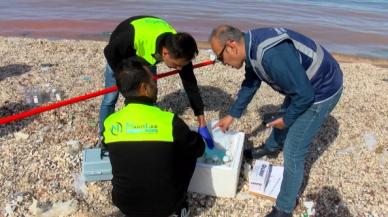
(143, 89)
(164, 52)
(233, 45)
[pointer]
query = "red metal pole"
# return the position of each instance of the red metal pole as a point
(52, 106)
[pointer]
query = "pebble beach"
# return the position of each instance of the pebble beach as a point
(41, 156)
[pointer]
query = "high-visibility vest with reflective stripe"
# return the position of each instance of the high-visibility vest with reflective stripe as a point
(138, 122)
(317, 62)
(147, 30)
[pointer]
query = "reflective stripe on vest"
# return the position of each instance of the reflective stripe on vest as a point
(138, 122)
(147, 30)
(316, 56)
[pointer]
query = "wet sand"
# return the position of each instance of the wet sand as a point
(100, 30)
(58, 29)
(335, 39)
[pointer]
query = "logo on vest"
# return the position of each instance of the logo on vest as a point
(134, 128)
(116, 128)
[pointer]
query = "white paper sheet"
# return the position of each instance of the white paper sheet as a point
(266, 179)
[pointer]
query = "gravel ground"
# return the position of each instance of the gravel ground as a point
(41, 155)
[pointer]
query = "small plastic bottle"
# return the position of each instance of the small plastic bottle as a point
(36, 96)
(57, 96)
(27, 95)
(226, 159)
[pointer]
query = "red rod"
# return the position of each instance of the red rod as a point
(52, 106)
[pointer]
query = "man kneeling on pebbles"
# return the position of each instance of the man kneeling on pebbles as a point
(153, 153)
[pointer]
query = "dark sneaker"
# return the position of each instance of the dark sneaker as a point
(277, 213)
(256, 153)
(269, 117)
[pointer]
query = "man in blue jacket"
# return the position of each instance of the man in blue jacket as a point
(295, 66)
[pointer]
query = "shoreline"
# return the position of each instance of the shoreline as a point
(204, 45)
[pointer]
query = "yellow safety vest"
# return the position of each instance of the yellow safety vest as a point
(147, 31)
(138, 122)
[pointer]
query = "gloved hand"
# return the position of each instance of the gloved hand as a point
(204, 132)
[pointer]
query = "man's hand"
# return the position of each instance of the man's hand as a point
(224, 123)
(204, 132)
(278, 123)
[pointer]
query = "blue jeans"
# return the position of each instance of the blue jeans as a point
(295, 142)
(109, 101)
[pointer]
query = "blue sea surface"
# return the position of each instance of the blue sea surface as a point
(348, 26)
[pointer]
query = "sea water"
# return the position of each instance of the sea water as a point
(349, 26)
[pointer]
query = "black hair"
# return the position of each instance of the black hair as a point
(130, 73)
(181, 45)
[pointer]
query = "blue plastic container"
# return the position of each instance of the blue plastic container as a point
(96, 166)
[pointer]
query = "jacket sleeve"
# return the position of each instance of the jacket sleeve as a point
(120, 46)
(189, 143)
(189, 83)
(248, 89)
(283, 67)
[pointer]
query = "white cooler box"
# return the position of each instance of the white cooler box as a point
(220, 180)
(216, 180)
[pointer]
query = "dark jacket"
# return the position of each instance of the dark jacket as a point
(151, 178)
(121, 46)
